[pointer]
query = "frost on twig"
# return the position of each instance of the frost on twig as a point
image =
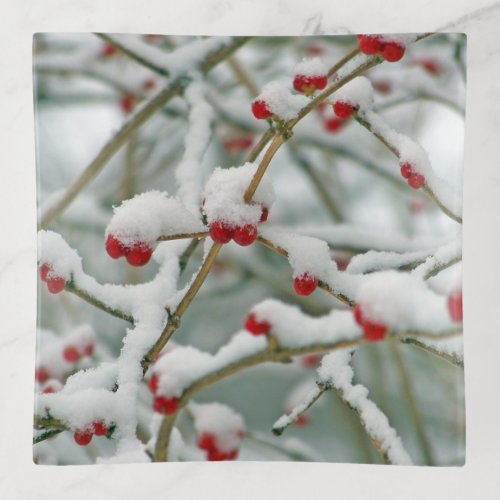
(335, 372)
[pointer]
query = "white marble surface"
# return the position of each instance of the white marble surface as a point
(480, 478)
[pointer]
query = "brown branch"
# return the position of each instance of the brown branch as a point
(73, 288)
(451, 358)
(183, 236)
(343, 61)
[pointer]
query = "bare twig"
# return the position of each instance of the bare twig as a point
(450, 357)
(183, 236)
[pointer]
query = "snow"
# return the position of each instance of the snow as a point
(358, 92)
(223, 195)
(147, 216)
(311, 67)
(336, 371)
(280, 100)
(189, 173)
(223, 422)
(54, 251)
(403, 302)
(305, 254)
(442, 256)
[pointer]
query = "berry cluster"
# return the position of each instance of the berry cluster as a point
(162, 404)
(308, 84)
(208, 442)
(256, 327)
(223, 232)
(343, 109)
(372, 330)
(415, 179)
(137, 255)
(55, 283)
(84, 436)
(371, 45)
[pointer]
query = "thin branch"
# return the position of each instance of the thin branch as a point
(286, 420)
(441, 266)
(452, 358)
(72, 287)
(243, 76)
(183, 236)
(362, 121)
(133, 55)
(411, 402)
(46, 435)
(343, 61)
(145, 112)
(321, 284)
(186, 255)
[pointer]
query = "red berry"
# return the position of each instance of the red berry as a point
(114, 247)
(56, 284)
(238, 144)
(206, 441)
(455, 307)
(127, 103)
(260, 109)
(315, 49)
(370, 44)
(44, 270)
(392, 51)
(406, 170)
(358, 314)
(139, 254)
(302, 420)
(100, 428)
(221, 232)
(374, 331)
(48, 389)
(333, 124)
(416, 181)
(245, 235)
(310, 360)
(153, 383)
(256, 327)
(308, 84)
(382, 86)
(264, 214)
(343, 109)
(165, 406)
(108, 50)
(41, 374)
(71, 354)
(305, 284)
(83, 436)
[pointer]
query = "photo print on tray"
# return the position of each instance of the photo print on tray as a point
(249, 248)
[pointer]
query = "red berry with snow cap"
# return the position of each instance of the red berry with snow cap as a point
(308, 84)
(344, 109)
(245, 235)
(455, 306)
(206, 441)
(260, 109)
(305, 284)
(165, 406)
(100, 428)
(221, 232)
(392, 51)
(44, 271)
(83, 436)
(114, 247)
(372, 330)
(139, 254)
(406, 169)
(256, 327)
(55, 284)
(370, 44)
